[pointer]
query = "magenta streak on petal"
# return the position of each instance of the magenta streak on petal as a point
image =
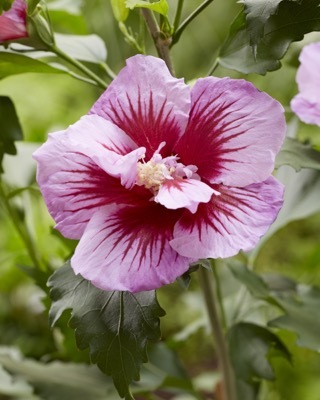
(234, 132)
(144, 126)
(99, 186)
(149, 225)
(127, 248)
(75, 193)
(123, 150)
(227, 208)
(231, 222)
(202, 143)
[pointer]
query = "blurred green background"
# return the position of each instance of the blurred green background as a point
(46, 103)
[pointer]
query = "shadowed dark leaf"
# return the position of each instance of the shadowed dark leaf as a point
(116, 326)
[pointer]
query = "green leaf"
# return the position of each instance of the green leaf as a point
(300, 304)
(68, 22)
(89, 48)
(14, 64)
(253, 282)
(163, 370)
(74, 7)
(55, 380)
(9, 386)
(10, 128)
(248, 390)
(120, 11)
(257, 13)
(249, 347)
(301, 199)
(301, 315)
(298, 155)
(116, 326)
(160, 6)
(290, 23)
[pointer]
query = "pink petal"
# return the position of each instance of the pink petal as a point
(234, 132)
(308, 76)
(184, 193)
(307, 103)
(231, 222)
(147, 103)
(306, 108)
(13, 23)
(128, 249)
(74, 168)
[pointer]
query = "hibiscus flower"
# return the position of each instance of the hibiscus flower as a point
(307, 103)
(159, 175)
(13, 23)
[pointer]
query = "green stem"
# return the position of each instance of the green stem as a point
(186, 22)
(228, 382)
(214, 66)
(219, 297)
(79, 66)
(161, 43)
(178, 15)
(21, 229)
(108, 70)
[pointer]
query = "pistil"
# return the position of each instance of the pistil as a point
(151, 174)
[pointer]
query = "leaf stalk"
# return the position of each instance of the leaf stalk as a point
(177, 17)
(177, 34)
(102, 84)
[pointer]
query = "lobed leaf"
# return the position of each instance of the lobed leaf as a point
(298, 155)
(249, 346)
(116, 326)
(10, 128)
(301, 315)
(300, 304)
(257, 13)
(257, 47)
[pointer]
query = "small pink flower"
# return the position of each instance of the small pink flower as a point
(307, 103)
(159, 175)
(13, 23)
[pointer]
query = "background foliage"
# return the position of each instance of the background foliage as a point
(276, 285)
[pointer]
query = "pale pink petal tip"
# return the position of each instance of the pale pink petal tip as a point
(307, 103)
(306, 109)
(184, 193)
